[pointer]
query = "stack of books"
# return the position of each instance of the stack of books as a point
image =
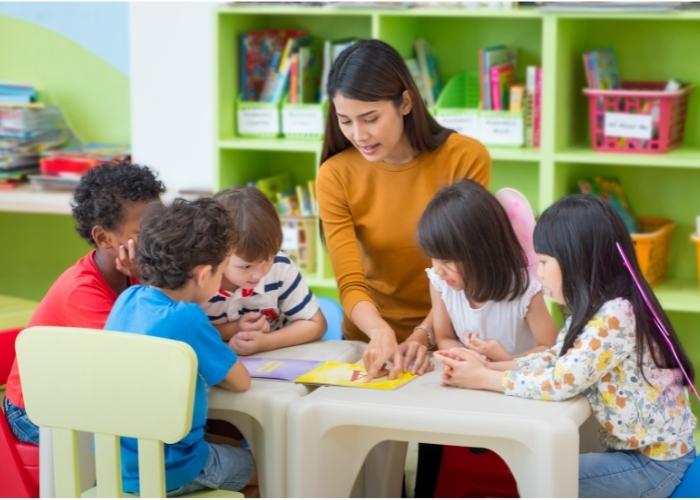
(62, 169)
(424, 70)
(26, 131)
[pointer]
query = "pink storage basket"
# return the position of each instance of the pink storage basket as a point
(666, 109)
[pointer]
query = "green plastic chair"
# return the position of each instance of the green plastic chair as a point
(111, 384)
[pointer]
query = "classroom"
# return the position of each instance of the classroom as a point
(376, 249)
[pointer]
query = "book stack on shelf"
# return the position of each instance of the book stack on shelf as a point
(490, 104)
(26, 130)
(283, 78)
(298, 216)
(61, 169)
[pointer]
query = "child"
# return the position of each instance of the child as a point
(264, 303)
(610, 349)
(482, 296)
(182, 252)
(107, 207)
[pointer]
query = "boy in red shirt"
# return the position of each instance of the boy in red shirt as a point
(107, 208)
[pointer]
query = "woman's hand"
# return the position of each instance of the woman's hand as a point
(382, 349)
(414, 351)
(492, 349)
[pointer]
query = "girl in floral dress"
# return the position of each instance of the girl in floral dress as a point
(617, 348)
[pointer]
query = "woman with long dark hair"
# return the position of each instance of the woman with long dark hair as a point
(383, 159)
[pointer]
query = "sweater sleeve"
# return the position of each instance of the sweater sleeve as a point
(341, 239)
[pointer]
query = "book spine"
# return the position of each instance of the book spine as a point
(536, 128)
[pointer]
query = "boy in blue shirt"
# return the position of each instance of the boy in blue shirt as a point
(183, 250)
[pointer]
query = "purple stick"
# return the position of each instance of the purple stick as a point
(657, 320)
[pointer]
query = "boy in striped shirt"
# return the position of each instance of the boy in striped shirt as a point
(263, 303)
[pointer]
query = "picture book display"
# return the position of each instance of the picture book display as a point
(351, 375)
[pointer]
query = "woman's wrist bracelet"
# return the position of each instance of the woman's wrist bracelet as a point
(429, 333)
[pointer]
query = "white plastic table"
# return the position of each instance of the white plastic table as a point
(261, 412)
(332, 429)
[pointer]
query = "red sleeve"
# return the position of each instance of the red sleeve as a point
(88, 307)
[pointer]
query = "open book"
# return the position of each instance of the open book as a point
(350, 375)
(277, 369)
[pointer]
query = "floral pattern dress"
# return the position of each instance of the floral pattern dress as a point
(652, 417)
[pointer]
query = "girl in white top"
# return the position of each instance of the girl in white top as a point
(483, 297)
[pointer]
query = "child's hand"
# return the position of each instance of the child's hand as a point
(460, 354)
(253, 322)
(464, 372)
(248, 342)
(492, 349)
(126, 260)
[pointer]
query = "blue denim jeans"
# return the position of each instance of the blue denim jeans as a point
(24, 429)
(629, 474)
(228, 468)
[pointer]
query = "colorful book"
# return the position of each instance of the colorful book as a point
(488, 58)
(537, 109)
(351, 375)
(502, 77)
(516, 98)
(602, 71)
(309, 72)
(277, 369)
(428, 67)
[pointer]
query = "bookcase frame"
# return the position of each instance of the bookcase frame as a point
(650, 46)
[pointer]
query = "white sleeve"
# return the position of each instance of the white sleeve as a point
(532, 289)
(296, 300)
(437, 282)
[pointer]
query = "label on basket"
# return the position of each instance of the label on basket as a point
(302, 121)
(505, 130)
(465, 124)
(258, 121)
(290, 238)
(628, 125)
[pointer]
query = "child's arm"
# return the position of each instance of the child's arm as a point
(237, 379)
(541, 325)
(250, 321)
(297, 332)
(445, 337)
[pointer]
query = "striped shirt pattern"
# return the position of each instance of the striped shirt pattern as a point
(281, 295)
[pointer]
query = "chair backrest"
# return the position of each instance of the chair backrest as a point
(334, 317)
(111, 384)
(7, 352)
(690, 486)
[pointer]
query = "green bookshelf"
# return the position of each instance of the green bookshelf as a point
(650, 46)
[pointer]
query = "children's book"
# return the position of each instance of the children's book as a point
(428, 66)
(351, 375)
(277, 369)
(602, 71)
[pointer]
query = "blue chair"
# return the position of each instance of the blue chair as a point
(334, 317)
(690, 486)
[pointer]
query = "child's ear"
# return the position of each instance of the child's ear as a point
(201, 273)
(101, 237)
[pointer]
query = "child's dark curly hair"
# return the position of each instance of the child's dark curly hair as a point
(176, 238)
(103, 191)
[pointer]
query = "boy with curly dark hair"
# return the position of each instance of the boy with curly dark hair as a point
(182, 253)
(107, 207)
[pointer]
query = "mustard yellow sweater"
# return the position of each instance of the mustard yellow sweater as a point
(370, 213)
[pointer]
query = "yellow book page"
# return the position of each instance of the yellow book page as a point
(350, 375)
